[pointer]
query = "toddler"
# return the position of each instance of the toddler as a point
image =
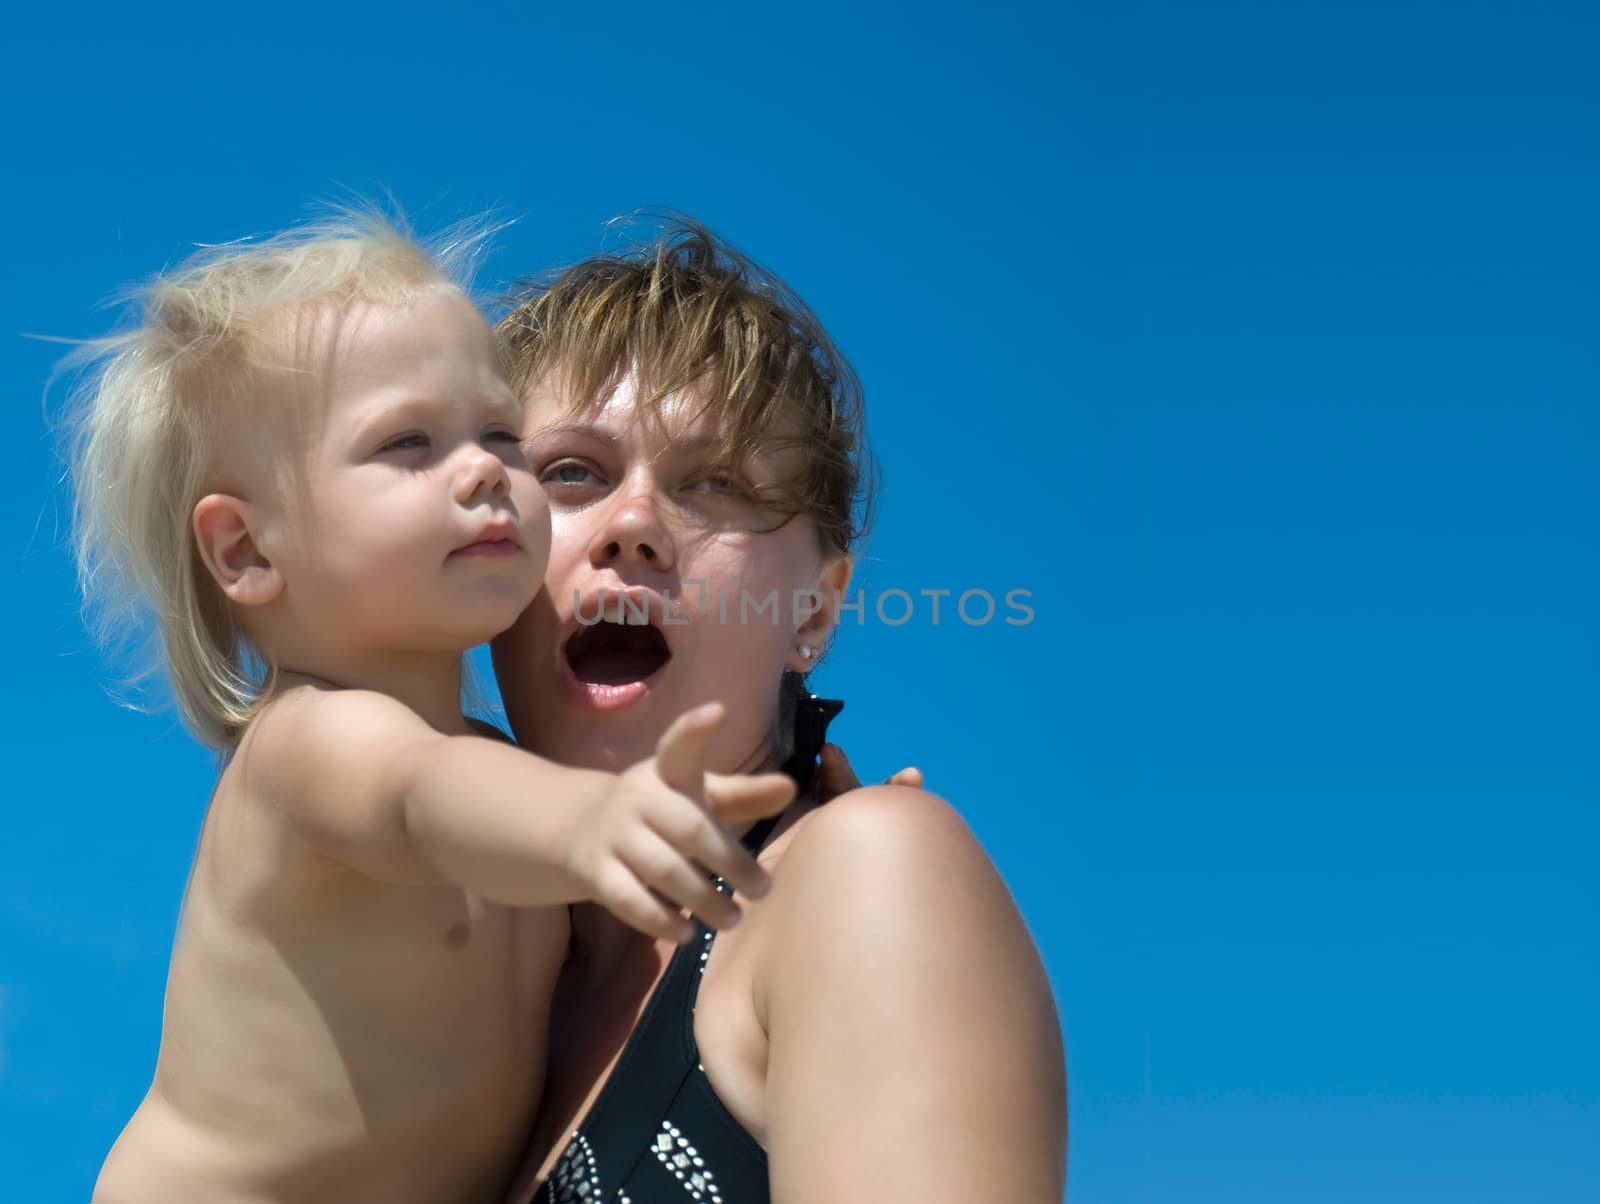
(306, 464)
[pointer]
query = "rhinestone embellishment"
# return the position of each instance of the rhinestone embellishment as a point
(576, 1178)
(675, 1152)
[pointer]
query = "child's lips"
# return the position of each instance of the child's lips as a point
(497, 539)
(489, 547)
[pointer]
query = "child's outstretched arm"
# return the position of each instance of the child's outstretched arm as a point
(365, 780)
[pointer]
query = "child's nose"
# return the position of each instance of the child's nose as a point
(482, 474)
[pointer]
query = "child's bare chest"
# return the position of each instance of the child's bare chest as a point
(351, 1024)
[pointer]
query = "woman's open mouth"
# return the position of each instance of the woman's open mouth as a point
(607, 665)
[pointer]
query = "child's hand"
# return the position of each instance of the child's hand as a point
(742, 798)
(645, 849)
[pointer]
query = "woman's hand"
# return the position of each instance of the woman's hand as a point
(835, 777)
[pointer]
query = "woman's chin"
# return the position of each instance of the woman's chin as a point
(608, 747)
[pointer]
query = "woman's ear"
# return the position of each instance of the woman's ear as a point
(814, 626)
(226, 529)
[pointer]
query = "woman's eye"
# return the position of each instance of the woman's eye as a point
(567, 472)
(722, 484)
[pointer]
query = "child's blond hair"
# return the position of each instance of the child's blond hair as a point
(145, 426)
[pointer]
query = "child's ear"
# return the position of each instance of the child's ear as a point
(225, 527)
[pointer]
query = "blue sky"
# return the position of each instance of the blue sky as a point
(1256, 340)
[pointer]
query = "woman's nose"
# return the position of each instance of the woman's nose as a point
(631, 531)
(482, 474)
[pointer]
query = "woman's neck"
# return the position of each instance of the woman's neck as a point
(600, 941)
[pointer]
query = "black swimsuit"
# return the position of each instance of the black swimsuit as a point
(658, 1134)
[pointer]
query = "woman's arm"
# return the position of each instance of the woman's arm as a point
(914, 1049)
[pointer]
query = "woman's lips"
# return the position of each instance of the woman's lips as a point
(593, 696)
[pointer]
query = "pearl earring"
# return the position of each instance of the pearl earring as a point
(806, 651)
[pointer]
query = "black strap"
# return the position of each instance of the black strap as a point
(638, 1095)
(811, 718)
(660, 1052)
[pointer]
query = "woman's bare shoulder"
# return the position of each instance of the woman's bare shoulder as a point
(904, 1002)
(890, 864)
(914, 827)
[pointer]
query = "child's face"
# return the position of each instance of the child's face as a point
(415, 524)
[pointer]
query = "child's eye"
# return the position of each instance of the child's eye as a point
(406, 442)
(502, 435)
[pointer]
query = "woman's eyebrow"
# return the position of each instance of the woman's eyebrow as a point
(682, 446)
(575, 428)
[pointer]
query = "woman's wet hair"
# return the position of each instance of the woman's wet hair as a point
(690, 314)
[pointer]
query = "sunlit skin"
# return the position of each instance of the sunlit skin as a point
(286, 965)
(359, 994)
(881, 1022)
(405, 523)
(638, 506)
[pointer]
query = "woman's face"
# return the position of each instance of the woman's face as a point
(644, 528)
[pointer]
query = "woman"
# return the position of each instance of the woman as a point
(879, 1026)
